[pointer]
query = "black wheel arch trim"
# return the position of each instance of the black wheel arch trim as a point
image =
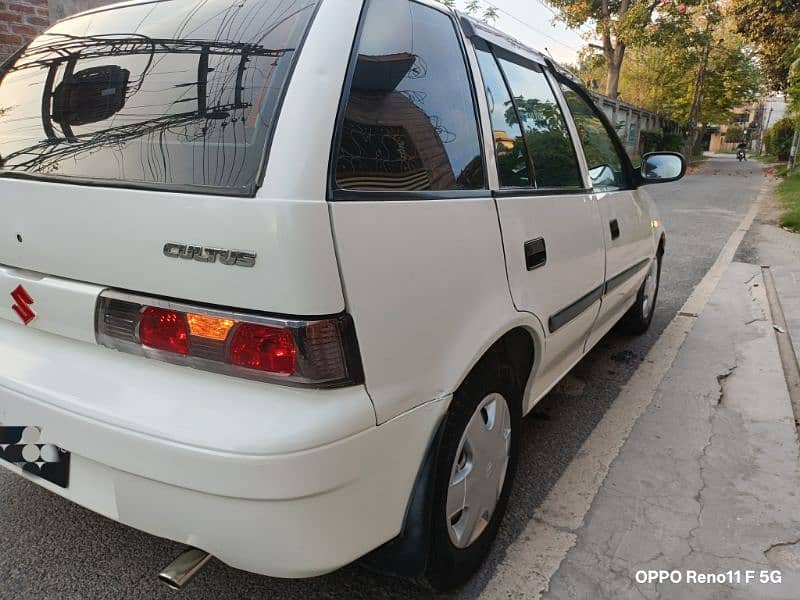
(407, 554)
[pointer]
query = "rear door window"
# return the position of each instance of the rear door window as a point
(172, 95)
(410, 122)
(545, 128)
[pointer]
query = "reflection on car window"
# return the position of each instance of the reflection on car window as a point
(512, 156)
(549, 143)
(605, 165)
(410, 122)
(603, 176)
(171, 94)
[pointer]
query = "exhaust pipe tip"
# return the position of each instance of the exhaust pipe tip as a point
(183, 569)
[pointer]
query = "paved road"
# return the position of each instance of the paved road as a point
(53, 549)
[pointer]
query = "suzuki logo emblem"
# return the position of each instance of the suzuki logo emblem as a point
(21, 306)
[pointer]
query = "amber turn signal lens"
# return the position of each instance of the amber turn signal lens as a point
(212, 328)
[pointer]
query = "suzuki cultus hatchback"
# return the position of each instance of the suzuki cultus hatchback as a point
(280, 278)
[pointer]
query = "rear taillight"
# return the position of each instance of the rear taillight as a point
(264, 348)
(315, 352)
(163, 329)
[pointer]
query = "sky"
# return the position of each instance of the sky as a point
(531, 22)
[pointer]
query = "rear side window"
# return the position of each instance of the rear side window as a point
(549, 143)
(509, 143)
(410, 122)
(172, 95)
(606, 168)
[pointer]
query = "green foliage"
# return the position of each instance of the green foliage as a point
(651, 141)
(793, 91)
(621, 25)
(734, 135)
(778, 138)
(774, 27)
(672, 142)
(632, 22)
(733, 79)
(487, 13)
(661, 75)
(660, 141)
(789, 194)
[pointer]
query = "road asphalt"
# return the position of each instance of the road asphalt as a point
(53, 549)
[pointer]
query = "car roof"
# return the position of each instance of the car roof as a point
(472, 26)
(110, 7)
(478, 28)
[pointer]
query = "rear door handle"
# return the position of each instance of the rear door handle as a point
(614, 229)
(535, 254)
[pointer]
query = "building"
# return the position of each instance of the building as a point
(22, 20)
(754, 119)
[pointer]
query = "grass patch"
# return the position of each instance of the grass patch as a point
(789, 195)
(766, 158)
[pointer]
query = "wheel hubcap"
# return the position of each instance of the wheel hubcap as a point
(479, 471)
(650, 287)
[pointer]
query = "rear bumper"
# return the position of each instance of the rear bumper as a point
(229, 481)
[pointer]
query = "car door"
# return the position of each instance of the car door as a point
(627, 225)
(550, 221)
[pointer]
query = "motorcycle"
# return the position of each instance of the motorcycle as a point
(741, 155)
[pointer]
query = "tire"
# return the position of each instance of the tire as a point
(638, 319)
(453, 559)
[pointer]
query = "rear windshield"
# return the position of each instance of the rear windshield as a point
(170, 94)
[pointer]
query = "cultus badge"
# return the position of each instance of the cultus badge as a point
(231, 258)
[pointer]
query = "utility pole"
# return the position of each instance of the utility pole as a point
(764, 127)
(793, 153)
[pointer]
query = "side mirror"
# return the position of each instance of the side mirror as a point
(662, 167)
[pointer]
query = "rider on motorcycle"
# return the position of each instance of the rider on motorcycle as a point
(741, 151)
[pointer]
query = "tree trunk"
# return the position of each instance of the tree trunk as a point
(612, 87)
(695, 114)
(614, 57)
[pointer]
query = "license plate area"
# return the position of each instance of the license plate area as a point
(23, 447)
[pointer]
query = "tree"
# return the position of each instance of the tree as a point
(793, 91)
(487, 13)
(773, 26)
(726, 75)
(778, 138)
(620, 24)
(734, 135)
(694, 73)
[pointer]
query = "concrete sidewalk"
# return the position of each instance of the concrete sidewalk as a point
(709, 480)
(768, 244)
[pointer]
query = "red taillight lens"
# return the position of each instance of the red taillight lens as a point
(164, 329)
(264, 348)
(304, 352)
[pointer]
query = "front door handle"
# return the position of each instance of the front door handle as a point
(614, 229)
(535, 254)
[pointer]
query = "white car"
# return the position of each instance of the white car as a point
(280, 278)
